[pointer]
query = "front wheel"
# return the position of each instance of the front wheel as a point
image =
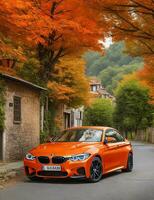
(129, 163)
(95, 170)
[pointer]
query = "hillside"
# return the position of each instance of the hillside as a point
(112, 66)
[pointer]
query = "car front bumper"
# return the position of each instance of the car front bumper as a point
(72, 169)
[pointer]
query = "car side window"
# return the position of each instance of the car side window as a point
(112, 136)
(119, 137)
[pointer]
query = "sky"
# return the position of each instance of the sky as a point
(107, 42)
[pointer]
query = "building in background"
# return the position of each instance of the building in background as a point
(73, 117)
(69, 117)
(98, 91)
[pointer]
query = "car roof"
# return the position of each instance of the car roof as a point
(90, 127)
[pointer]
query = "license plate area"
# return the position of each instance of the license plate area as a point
(55, 168)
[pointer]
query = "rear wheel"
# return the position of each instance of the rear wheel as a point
(129, 163)
(95, 170)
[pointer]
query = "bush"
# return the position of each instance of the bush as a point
(99, 114)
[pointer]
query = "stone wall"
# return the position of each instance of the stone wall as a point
(18, 138)
(145, 135)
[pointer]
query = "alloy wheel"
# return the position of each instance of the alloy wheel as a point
(96, 170)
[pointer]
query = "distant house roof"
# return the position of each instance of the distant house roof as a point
(95, 82)
(19, 80)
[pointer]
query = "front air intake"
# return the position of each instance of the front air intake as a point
(44, 159)
(52, 173)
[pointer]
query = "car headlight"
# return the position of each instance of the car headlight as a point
(79, 157)
(29, 156)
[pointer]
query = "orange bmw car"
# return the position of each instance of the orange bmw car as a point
(83, 152)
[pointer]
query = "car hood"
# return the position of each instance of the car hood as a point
(66, 148)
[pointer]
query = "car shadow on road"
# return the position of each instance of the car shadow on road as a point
(112, 174)
(71, 181)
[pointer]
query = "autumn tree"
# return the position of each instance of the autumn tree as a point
(146, 75)
(77, 31)
(56, 27)
(16, 28)
(130, 19)
(69, 84)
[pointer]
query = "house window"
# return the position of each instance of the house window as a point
(93, 88)
(81, 115)
(17, 109)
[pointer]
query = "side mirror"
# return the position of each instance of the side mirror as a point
(105, 141)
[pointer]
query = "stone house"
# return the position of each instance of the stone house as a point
(98, 91)
(22, 118)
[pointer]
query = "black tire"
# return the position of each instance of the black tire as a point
(95, 170)
(129, 163)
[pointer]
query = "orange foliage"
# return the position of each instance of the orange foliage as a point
(59, 92)
(146, 75)
(28, 22)
(7, 70)
(131, 20)
(69, 84)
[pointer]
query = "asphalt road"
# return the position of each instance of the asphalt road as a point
(137, 185)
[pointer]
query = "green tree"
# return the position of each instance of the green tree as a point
(92, 57)
(30, 71)
(99, 113)
(111, 76)
(115, 55)
(132, 111)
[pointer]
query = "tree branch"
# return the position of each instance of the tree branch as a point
(135, 28)
(148, 46)
(57, 56)
(142, 6)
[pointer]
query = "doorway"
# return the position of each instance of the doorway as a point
(67, 120)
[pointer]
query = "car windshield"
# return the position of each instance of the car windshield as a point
(81, 135)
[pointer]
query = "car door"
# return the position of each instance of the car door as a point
(121, 149)
(111, 153)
